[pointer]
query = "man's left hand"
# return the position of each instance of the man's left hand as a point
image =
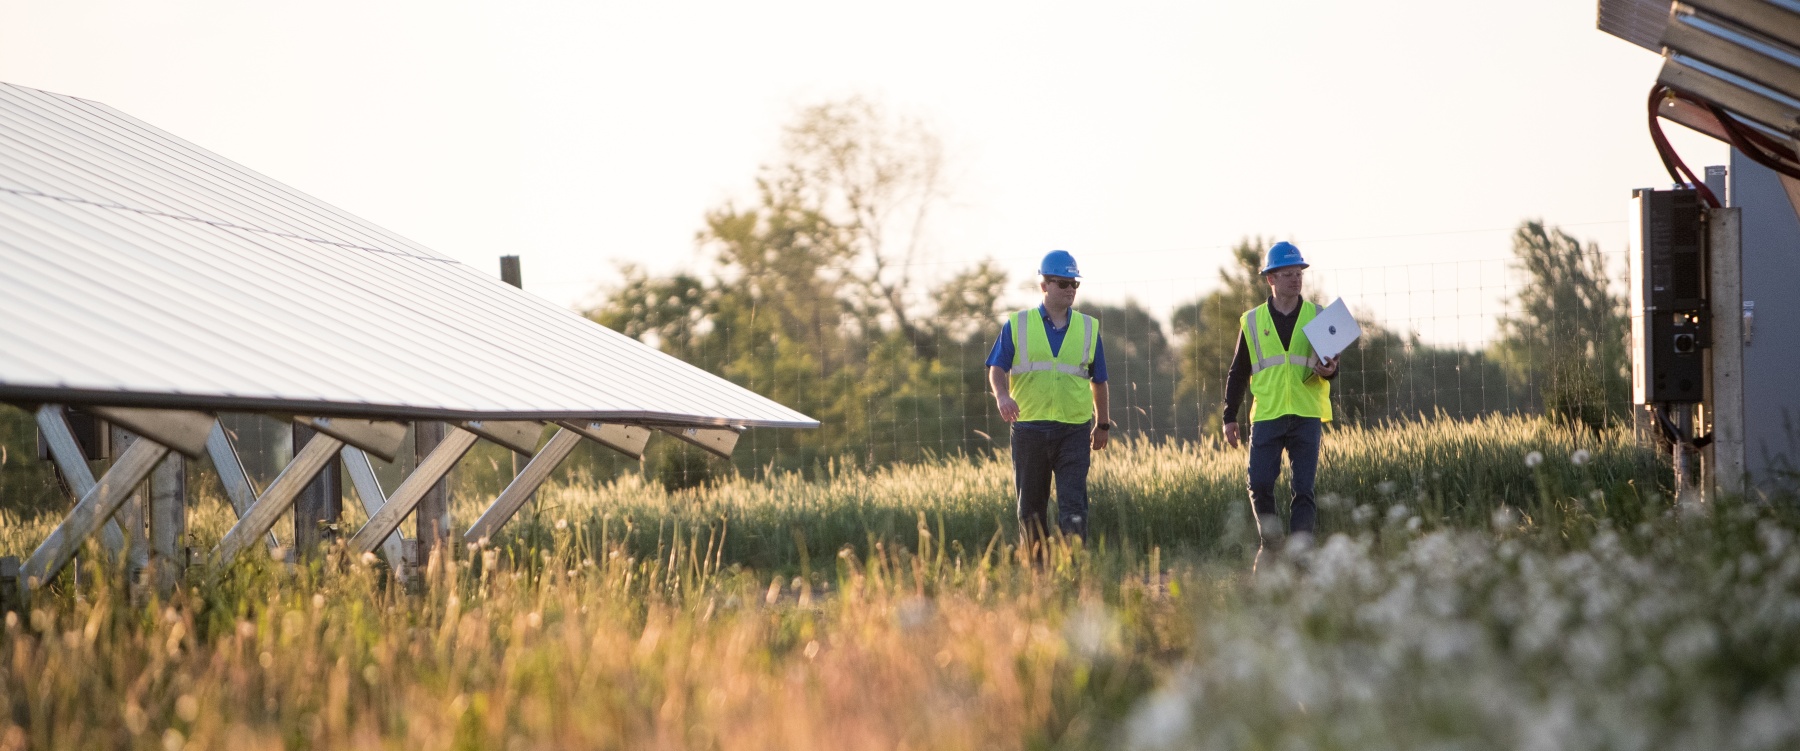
(1326, 367)
(1098, 439)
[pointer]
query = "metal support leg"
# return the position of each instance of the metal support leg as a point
(520, 489)
(94, 508)
(130, 516)
(431, 469)
(432, 515)
(168, 523)
(362, 477)
(319, 506)
(277, 499)
(72, 463)
(232, 475)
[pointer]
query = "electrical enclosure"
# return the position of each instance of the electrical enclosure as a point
(1668, 297)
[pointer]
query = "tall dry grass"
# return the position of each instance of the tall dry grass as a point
(1460, 599)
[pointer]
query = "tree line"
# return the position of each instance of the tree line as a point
(808, 295)
(806, 298)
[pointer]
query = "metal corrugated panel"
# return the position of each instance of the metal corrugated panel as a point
(139, 269)
(1639, 22)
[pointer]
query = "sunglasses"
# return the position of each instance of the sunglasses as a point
(1065, 283)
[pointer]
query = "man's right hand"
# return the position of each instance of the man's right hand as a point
(1009, 409)
(1231, 434)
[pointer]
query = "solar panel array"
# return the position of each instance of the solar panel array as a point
(139, 269)
(1639, 22)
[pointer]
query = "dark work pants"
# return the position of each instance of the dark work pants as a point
(1299, 437)
(1040, 452)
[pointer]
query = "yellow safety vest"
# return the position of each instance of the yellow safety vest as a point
(1053, 387)
(1278, 376)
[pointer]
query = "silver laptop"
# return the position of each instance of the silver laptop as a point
(1332, 330)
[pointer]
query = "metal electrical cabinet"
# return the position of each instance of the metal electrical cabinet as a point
(1771, 324)
(1668, 297)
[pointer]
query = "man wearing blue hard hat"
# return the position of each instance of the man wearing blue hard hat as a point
(1048, 371)
(1290, 389)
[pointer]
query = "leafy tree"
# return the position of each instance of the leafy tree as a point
(1568, 335)
(26, 484)
(1141, 369)
(810, 298)
(877, 178)
(1424, 381)
(1208, 331)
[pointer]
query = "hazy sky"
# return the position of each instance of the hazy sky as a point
(1146, 137)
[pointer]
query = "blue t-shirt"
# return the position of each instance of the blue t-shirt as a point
(1002, 354)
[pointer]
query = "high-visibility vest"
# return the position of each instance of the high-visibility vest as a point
(1279, 375)
(1053, 387)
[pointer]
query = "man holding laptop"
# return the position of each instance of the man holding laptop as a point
(1291, 387)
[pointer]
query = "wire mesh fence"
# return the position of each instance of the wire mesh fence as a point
(887, 390)
(1434, 344)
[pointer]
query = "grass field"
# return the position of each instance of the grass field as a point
(1461, 597)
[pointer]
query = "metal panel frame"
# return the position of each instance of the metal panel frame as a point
(1734, 49)
(717, 441)
(368, 488)
(518, 435)
(383, 438)
(53, 422)
(230, 468)
(625, 439)
(521, 488)
(167, 517)
(261, 517)
(1730, 91)
(433, 468)
(131, 515)
(166, 260)
(180, 430)
(1764, 16)
(94, 508)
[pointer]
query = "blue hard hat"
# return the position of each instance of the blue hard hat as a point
(1059, 263)
(1282, 255)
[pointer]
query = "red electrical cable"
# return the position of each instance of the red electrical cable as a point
(1671, 160)
(1754, 144)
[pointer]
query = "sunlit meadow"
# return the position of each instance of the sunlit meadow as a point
(1502, 584)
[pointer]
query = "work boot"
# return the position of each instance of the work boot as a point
(1298, 550)
(1268, 529)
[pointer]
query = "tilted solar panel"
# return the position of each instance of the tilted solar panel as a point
(139, 269)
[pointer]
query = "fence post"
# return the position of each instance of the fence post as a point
(511, 274)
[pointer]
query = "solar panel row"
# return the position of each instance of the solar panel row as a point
(139, 269)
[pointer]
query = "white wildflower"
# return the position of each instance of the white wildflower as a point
(1163, 720)
(1504, 519)
(1580, 457)
(1533, 459)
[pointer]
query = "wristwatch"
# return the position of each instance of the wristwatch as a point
(1108, 425)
